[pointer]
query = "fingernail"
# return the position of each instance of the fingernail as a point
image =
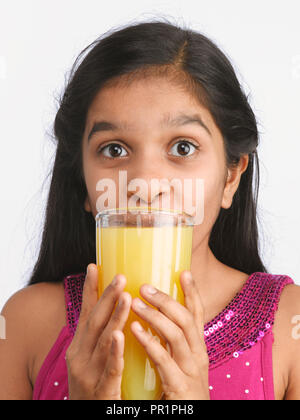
(87, 270)
(188, 277)
(151, 290)
(115, 281)
(141, 304)
(139, 327)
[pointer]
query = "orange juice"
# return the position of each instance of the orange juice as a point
(155, 255)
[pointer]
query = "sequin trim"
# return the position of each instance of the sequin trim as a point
(252, 316)
(73, 297)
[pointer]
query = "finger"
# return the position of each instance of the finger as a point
(169, 331)
(193, 302)
(112, 376)
(101, 314)
(89, 295)
(168, 370)
(176, 312)
(116, 322)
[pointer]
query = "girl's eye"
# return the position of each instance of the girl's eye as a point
(114, 150)
(183, 148)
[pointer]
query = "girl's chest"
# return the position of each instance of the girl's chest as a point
(53, 328)
(279, 366)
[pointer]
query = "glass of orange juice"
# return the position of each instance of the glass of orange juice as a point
(147, 245)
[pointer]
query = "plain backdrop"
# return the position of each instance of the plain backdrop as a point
(39, 41)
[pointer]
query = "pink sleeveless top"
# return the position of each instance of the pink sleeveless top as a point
(239, 342)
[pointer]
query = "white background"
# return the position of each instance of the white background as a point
(39, 41)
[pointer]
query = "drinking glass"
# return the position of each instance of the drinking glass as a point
(147, 245)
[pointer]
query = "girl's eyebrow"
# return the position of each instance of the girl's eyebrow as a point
(167, 121)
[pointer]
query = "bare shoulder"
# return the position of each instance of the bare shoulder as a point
(288, 310)
(34, 307)
(33, 315)
(35, 295)
(287, 339)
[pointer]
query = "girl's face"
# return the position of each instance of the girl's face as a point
(146, 145)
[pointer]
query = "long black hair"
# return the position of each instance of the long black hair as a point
(121, 56)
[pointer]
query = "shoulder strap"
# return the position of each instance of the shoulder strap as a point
(73, 285)
(247, 319)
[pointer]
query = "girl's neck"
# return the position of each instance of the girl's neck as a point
(216, 282)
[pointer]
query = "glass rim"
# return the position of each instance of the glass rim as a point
(144, 210)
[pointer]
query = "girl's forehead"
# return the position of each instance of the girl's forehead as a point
(154, 92)
(159, 103)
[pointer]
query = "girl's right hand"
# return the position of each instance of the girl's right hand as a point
(95, 357)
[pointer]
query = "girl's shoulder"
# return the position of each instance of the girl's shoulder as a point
(34, 317)
(287, 317)
(290, 299)
(287, 339)
(35, 306)
(35, 303)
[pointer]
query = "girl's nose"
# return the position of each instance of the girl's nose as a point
(150, 192)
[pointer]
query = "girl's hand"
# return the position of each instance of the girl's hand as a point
(95, 357)
(184, 372)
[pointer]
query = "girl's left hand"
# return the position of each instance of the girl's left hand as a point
(184, 372)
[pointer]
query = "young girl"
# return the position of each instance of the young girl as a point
(169, 101)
